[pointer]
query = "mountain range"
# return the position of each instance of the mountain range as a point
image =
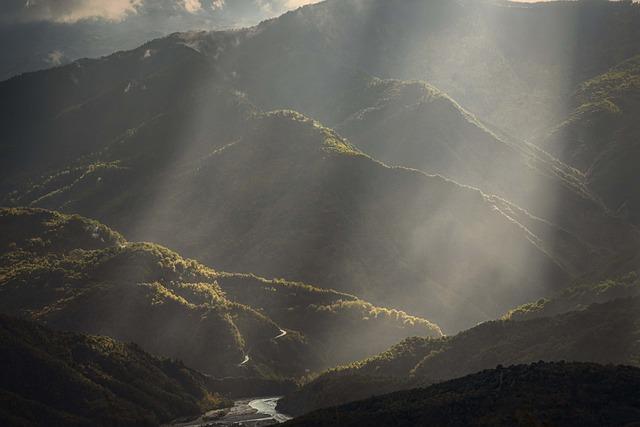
(605, 333)
(360, 196)
(46, 33)
(268, 184)
(76, 274)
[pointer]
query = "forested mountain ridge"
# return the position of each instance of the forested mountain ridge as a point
(415, 125)
(61, 378)
(133, 138)
(106, 288)
(538, 394)
(42, 35)
(510, 64)
(579, 297)
(77, 274)
(602, 333)
(600, 136)
(264, 196)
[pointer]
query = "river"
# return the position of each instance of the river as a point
(251, 412)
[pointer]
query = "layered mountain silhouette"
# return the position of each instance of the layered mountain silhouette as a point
(279, 195)
(290, 198)
(137, 138)
(511, 64)
(42, 35)
(75, 274)
(602, 333)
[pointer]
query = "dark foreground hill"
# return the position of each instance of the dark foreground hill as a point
(76, 274)
(602, 333)
(554, 394)
(59, 378)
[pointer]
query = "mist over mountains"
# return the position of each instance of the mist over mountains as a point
(354, 198)
(38, 34)
(180, 125)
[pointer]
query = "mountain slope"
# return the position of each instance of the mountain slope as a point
(538, 394)
(291, 198)
(602, 333)
(600, 136)
(519, 61)
(95, 104)
(77, 274)
(579, 298)
(415, 125)
(42, 36)
(60, 378)
(517, 67)
(337, 326)
(511, 65)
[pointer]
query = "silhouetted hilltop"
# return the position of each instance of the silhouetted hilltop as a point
(558, 393)
(61, 378)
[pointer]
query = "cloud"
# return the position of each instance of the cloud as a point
(69, 11)
(55, 58)
(15, 11)
(292, 4)
(192, 6)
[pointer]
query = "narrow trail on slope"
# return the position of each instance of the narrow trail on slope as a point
(246, 356)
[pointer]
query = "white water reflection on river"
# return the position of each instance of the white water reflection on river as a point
(251, 412)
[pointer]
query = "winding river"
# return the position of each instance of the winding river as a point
(252, 412)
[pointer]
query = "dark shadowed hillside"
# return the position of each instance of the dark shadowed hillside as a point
(101, 105)
(563, 394)
(59, 378)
